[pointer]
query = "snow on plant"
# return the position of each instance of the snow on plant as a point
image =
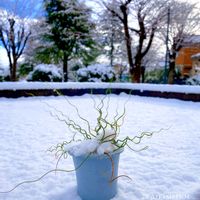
(96, 73)
(45, 72)
(101, 138)
(194, 80)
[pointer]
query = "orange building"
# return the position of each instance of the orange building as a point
(184, 60)
(195, 64)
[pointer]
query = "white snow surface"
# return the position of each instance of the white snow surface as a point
(82, 85)
(169, 169)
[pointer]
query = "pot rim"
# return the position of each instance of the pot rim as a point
(95, 155)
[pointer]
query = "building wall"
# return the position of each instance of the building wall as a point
(195, 66)
(184, 61)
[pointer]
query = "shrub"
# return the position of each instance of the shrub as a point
(45, 73)
(4, 75)
(154, 76)
(194, 80)
(96, 73)
(25, 69)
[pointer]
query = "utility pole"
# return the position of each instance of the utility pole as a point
(112, 38)
(167, 47)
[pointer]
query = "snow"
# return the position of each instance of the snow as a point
(4, 72)
(196, 55)
(96, 73)
(194, 80)
(47, 68)
(169, 169)
(86, 147)
(81, 148)
(83, 85)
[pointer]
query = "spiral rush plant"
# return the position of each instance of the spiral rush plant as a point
(105, 131)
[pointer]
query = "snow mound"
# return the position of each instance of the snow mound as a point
(86, 147)
(99, 145)
(194, 80)
(96, 73)
(45, 72)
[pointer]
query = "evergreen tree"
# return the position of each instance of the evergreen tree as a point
(70, 29)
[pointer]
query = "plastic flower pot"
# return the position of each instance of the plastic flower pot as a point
(94, 176)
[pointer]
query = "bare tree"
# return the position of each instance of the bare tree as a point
(143, 18)
(184, 23)
(111, 35)
(152, 59)
(13, 36)
(15, 17)
(39, 49)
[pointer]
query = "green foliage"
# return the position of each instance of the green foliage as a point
(4, 78)
(154, 76)
(44, 77)
(70, 31)
(48, 55)
(25, 69)
(70, 26)
(46, 73)
(4, 75)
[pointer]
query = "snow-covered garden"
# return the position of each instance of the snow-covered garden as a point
(168, 169)
(106, 49)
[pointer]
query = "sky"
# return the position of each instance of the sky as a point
(3, 58)
(23, 8)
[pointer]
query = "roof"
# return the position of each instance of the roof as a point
(196, 55)
(193, 39)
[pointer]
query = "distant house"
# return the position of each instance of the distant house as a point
(186, 61)
(195, 64)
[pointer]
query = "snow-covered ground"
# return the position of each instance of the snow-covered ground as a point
(168, 170)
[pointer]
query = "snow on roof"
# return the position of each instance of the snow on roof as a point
(196, 55)
(193, 39)
(84, 85)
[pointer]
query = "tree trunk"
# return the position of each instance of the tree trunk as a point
(65, 67)
(136, 74)
(13, 71)
(111, 49)
(143, 73)
(137, 69)
(10, 65)
(128, 40)
(171, 72)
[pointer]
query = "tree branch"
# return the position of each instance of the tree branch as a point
(23, 45)
(150, 42)
(113, 12)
